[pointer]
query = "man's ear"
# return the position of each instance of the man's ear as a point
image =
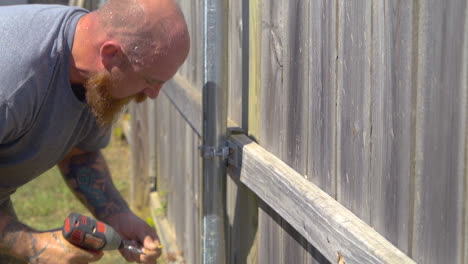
(111, 55)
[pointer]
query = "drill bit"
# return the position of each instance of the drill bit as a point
(127, 245)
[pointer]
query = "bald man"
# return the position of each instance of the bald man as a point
(65, 75)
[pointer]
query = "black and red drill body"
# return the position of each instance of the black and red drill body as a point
(90, 234)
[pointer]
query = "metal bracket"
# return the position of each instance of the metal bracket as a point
(225, 153)
(233, 158)
(208, 152)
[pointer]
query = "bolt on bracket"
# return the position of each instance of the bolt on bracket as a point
(227, 153)
(209, 152)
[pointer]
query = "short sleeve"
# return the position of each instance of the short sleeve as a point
(97, 139)
(9, 126)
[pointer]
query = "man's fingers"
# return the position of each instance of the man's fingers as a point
(127, 255)
(150, 256)
(151, 243)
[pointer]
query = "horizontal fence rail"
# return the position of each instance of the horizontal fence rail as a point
(334, 230)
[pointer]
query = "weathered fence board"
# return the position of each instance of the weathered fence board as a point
(270, 239)
(283, 104)
(192, 68)
(464, 84)
(236, 71)
(321, 154)
(335, 230)
(296, 103)
(391, 116)
(140, 184)
(188, 101)
(255, 26)
(242, 211)
(440, 134)
(165, 232)
(353, 106)
(179, 175)
(242, 204)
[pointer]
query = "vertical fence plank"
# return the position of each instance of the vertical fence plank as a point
(441, 131)
(321, 156)
(242, 210)
(465, 98)
(391, 120)
(283, 100)
(353, 132)
(295, 103)
(173, 166)
(178, 146)
(139, 186)
(322, 104)
(255, 31)
(235, 58)
(270, 242)
(242, 204)
(198, 194)
(270, 75)
(189, 217)
(163, 168)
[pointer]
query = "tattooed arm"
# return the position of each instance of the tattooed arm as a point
(24, 243)
(88, 176)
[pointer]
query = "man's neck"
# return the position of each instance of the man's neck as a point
(85, 49)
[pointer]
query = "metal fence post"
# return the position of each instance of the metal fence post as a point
(214, 131)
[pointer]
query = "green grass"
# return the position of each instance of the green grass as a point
(45, 202)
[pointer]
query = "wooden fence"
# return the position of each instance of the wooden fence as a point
(366, 100)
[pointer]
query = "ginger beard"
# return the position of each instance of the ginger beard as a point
(105, 108)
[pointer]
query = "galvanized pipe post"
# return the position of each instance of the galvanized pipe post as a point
(213, 150)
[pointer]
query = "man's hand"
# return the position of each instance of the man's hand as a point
(22, 242)
(53, 248)
(133, 228)
(88, 176)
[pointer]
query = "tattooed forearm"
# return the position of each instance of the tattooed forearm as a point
(88, 175)
(11, 233)
(16, 237)
(36, 252)
(60, 242)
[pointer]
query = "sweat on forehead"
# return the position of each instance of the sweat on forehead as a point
(143, 28)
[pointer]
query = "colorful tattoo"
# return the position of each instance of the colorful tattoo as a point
(87, 174)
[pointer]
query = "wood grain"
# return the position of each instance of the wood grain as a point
(165, 232)
(188, 101)
(354, 107)
(255, 30)
(464, 84)
(236, 61)
(440, 133)
(321, 154)
(391, 120)
(324, 222)
(139, 185)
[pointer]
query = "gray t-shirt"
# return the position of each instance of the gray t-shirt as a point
(41, 119)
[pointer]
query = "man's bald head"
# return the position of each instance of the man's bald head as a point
(146, 29)
(126, 50)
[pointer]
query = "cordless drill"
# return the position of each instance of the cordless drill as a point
(90, 234)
